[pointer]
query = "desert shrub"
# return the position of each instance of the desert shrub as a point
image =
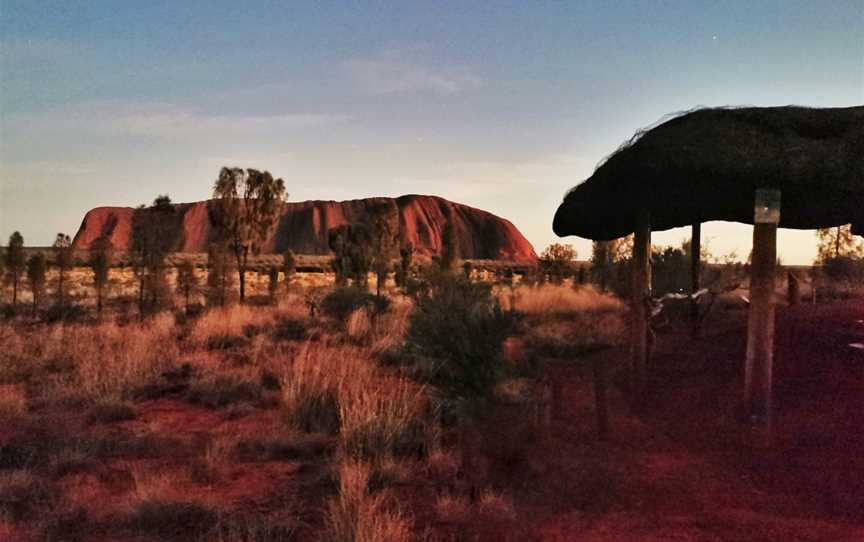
(843, 269)
(452, 508)
(22, 494)
(357, 515)
(495, 506)
(225, 342)
(170, 520)
(71, 459)
(13, 403)
(458, 327)
(67, 524)
(109, 411)
(313, 410)
(64, 313)
(341, 302)
(255, 528)
(223, 390)
(280, 448)
(269, 381)
(289, 329)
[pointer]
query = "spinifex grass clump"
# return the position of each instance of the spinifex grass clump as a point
(338, 389)
(457, 330)
(358, 514)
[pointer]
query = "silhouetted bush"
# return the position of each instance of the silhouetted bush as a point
(110, 411)
(289, 329)
(223, 391)
(170, 520)
(65, 313)
(341, 302)
(22, 494)
(844, 268)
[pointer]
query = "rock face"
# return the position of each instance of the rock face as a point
(303, 227)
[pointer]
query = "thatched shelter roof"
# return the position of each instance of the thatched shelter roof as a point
(706, 165)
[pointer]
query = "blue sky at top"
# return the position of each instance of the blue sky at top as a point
(499, 105)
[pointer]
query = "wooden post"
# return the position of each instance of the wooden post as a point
(760, 324)
(695, 269)
(641, 292)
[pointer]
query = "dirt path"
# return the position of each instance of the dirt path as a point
(687, 470)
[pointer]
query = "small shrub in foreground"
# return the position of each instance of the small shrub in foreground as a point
(223, 390)
(110, 411)
(254, 528)
(459, 326)
(341, 302)
(170, 520)
(13, 404)
(22, 494)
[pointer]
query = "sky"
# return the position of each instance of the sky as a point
(500, 105)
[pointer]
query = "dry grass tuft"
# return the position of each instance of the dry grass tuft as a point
(110, 360)
(442, 465)
(355, 515)
(230, 322)
(13, 403)
(359, 326)
(22, 494)
(496, 506)
(452, 508)
(558, 299)
(338, 389)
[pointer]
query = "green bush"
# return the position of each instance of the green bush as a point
(459, 327)
(341, 302)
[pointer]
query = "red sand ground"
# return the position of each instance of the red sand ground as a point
(687, 470)
(683, 471)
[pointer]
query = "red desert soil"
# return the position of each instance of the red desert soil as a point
(686, 470)
(303, 227)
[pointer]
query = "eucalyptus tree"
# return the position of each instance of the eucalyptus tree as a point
(63, 260)
(246, 204)
(187, 281)
(15, 262)
(384, 229)
(100, 263)
(36, 277)
(152, 239)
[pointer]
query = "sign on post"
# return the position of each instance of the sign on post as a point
(767, 206)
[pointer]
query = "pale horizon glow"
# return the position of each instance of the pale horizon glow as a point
(503, 107)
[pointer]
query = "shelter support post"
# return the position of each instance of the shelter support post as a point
(641, 293)
(760, 324)
(695, 270)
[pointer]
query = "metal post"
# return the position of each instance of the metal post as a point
(760, 324)
(641, 293)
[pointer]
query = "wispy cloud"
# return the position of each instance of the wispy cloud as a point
(159, 120)
(399, 72)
